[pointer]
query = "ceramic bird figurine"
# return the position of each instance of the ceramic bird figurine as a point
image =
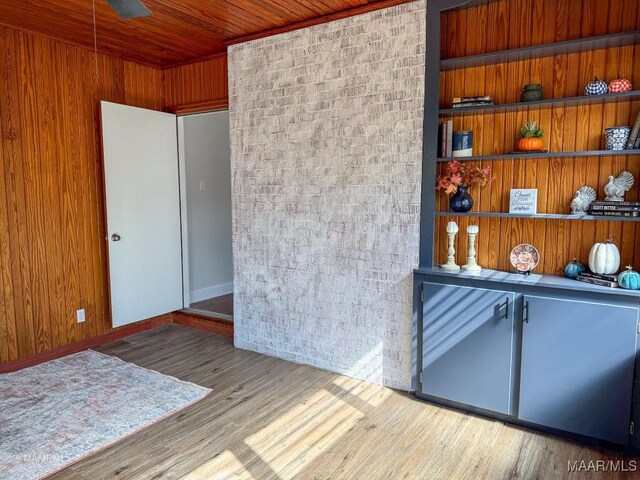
(618, 186)
(584, 197)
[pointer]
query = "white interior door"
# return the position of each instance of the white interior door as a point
(143, 212)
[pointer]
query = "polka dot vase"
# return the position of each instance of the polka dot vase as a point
(597, 87)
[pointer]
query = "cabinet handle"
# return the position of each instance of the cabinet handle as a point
(525, 312)
(506, 308)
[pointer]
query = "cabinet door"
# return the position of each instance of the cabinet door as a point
(577, 366)
(468, 343)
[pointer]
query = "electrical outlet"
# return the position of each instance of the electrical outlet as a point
(202, 185)
(80, 315)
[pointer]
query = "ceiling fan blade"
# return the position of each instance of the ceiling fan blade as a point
(128, 9)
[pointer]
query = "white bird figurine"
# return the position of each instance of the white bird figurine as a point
(618, 186)
(584, 197)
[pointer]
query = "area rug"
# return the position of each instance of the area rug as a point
(58, 412)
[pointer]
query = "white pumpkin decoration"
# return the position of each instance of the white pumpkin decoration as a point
(604, 258)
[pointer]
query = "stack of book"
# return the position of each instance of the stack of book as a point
(596, 279)
(634, 137)
(462, 102)
(615, 209)
(446, 138)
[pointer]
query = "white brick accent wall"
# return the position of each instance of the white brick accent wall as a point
(326, 140)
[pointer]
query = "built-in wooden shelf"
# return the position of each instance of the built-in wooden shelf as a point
(547, 103)
(543, 50)
(517, 156)
(533, 280)
(552, 216)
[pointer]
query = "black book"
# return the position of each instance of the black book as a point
(598, 276)
(443, 139)
(613, 213)
(597, 281)
(471, 104)
(485, 98)
(615, 208)
(635, 134)
(634, 203)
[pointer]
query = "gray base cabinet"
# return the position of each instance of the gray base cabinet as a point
(468, 346)
(577, 366)
(561, 360)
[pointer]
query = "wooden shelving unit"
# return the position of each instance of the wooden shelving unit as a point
(526, 156)
(546, 103)
(544, 50)
(544, 216)
(574, 126)
(495, 342)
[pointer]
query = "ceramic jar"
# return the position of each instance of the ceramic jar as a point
(616, 137)
(462, 143)
(532, 93)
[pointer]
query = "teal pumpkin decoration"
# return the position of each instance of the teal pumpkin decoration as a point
(629, 279)
(573, 268)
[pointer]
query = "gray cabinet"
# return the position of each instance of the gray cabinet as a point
(468, 346)
(577, 366)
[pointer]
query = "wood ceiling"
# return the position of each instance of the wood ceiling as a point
(179, 31)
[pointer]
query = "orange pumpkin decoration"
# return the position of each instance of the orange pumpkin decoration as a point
(530, 137)
(527, 144)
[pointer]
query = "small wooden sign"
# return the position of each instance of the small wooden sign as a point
(524, 201)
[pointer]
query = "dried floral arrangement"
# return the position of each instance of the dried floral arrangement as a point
(466, 174)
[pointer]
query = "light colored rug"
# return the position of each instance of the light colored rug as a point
(58, 412)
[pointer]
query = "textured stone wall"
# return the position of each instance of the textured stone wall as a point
(326, 139)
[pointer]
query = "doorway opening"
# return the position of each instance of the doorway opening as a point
(205, 177)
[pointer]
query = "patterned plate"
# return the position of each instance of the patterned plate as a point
(524, 257)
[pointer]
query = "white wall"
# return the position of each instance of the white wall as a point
(326, 152)
(206, 157)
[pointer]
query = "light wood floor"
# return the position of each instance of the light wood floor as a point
(271, 419)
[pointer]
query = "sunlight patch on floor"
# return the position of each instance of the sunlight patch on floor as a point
(224, 466)
(305, 432)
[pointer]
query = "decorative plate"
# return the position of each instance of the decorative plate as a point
(524, 257)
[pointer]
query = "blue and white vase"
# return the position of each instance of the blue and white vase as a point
(616, 137)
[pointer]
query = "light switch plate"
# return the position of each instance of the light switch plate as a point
(80, 315)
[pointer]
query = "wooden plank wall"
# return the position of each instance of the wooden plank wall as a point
(197, 86)
(52, 252)
(517, 23)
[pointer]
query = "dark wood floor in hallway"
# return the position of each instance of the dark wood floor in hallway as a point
(222, 304)
(271, 419)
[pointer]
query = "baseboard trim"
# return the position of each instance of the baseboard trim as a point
(81, 345)
(210, 292)
(220, 327)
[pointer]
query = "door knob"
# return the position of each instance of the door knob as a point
(115, 237)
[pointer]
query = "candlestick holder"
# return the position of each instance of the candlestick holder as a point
(450, 266)
(471, 265)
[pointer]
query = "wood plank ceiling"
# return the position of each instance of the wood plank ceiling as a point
(179, 31)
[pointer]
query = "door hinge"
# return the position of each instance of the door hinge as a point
(638, 327)
(422, 296)
(420, 377)
(632, 428)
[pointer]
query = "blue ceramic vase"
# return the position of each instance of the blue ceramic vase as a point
(461, 201)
